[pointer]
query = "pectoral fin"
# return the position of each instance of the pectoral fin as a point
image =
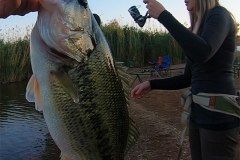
(67, 84)
(33, 93)
(30, 90)
(62, 157)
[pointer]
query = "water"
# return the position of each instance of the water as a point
(23, 132)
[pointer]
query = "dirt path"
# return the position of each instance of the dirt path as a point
(158, 118)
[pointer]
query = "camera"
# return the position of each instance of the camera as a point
(138, 18)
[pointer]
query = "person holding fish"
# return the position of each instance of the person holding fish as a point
(209, 46)
(22, 7)
(17, 7)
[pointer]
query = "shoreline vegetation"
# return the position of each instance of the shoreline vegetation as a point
(131, 45)
(14, 61)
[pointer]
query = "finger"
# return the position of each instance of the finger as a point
(147, 6)
(21, 8)
(132, 94)
(26, 7)
(33, 5)
(8, 7)
(135, 92)
(145, 1)
(139, 91)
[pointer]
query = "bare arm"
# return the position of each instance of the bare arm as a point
(17, 7)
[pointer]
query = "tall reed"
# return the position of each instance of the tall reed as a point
(14, 61)
(136, 47)
(129, 44)
(14, 54)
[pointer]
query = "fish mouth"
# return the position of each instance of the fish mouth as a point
(64, 58)
(58, 54)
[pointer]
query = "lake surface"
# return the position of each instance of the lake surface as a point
(23, 132)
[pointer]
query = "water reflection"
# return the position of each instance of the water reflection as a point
(23, 132)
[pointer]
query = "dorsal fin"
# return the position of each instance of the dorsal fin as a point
(125, 78)
(133, 135)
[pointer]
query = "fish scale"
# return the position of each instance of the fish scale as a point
(83, 93)
(90, 74)
(76, 122)
(97, 121)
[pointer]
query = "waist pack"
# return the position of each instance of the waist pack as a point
(223, 103)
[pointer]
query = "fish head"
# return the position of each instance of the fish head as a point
(66, 27)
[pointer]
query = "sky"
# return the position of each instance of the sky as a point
(118, 9)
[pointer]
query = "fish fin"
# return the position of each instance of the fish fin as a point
(125, 79)
(33, 93)
(30, 90)
(62, 157)
(67, 84)
(133, 135)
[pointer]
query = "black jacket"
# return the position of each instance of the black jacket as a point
(208, 66)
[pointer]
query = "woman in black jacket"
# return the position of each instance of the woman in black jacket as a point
(209, 46)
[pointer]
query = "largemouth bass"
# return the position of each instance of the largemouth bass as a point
(82, 93)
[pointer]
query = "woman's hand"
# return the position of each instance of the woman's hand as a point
(17, 7)
(154, 8)
(141, 89)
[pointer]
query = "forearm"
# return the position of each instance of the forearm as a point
(194, 46)
(172, 83)
(17, 7)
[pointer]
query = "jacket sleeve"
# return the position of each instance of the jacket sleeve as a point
(173, 83)
(199, 48)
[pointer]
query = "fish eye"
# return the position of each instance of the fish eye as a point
(83, 3)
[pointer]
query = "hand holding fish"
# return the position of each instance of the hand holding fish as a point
(17, 7)
(154, 8)
(141, 89)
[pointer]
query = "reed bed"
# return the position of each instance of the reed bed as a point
(137, 47)
(14, 61)
(128, 44)
(14, 54)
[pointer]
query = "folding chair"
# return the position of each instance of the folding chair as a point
(154, 63)
(162, 64)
